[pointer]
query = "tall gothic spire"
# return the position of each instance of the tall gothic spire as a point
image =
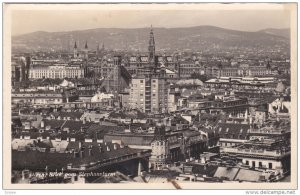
(151, 47)
(98, 46)
(86, 45)
(75, 45)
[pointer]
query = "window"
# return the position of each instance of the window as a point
(270, 166)
(247, 162)
(260, 164)
(142, 81)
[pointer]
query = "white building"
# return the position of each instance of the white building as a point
(99, 97)
(56, 71)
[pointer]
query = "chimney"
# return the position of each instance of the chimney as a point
(74, 154)
(121, 145)
(23, 174)
(90, 151)
(81, 153)
(84, 121)
(107, 148)
(115, 147)
(100, 149)
(203, 159)
(42, 124)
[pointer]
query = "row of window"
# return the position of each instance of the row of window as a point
(260, 164)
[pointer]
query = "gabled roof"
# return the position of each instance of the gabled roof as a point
(76, 125)
(53, 123)
(236, 131)
(72, 115)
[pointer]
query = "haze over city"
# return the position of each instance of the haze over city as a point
(27, 21)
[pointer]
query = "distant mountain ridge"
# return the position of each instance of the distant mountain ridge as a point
(185, 38)
(284, 32)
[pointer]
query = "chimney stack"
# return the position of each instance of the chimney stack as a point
(107, 148)
(115, 147)
(42, 124)
(90, 151)
(203, 159)
(100, 149)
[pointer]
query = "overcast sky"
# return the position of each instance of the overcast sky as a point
(50, 20)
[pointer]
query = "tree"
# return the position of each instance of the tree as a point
(202, 78)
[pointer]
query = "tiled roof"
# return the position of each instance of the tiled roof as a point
(76, 125)
(72, 115)
(53, 123)
(130, 114)
(40, 160)
(101, 130)
(203, 169)
(228, 172)
(232, 130)
(130, 139)
(248, 175)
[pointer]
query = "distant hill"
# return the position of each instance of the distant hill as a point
(284, 32)
(190, 38)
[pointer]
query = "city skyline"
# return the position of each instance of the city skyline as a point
(128, 102)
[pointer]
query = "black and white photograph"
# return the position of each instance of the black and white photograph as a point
(151, 96)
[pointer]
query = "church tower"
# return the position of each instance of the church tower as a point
(151, 47)
(98, 51)
(75, 50)
(86, 51)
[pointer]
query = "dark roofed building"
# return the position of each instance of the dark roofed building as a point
(88, 157)
(232, 134)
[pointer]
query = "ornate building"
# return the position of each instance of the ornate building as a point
(149, 87)
(137, 63)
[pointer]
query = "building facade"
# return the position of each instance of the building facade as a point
(56, 71)
(149, 89)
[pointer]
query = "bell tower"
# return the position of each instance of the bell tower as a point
(75, 50)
